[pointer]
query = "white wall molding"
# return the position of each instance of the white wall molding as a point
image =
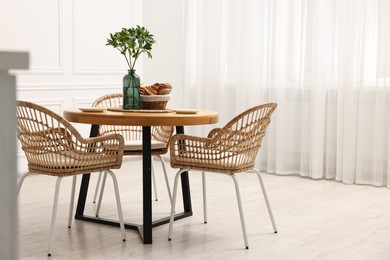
(41, 71)
(83, 102)
(60, 69)
(50, 70)
(70, 86)
(31, 38)
(92, 71)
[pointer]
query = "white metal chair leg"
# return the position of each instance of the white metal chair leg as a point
(118, 203)
(54, 214)
(241, 212)
(21, 180)
(101, 194)
(266, 200)
(173, 203)
(97, 187)
(166, 177)
(154, 181)
(204, 197)
(72, 200)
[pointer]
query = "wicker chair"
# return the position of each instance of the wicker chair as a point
(228, 150)
(54, 147)
(133, 141)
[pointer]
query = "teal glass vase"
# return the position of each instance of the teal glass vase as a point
(131, 89)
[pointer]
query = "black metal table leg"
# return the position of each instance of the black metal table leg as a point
(147, 185)
(85, 180)
(185, 183)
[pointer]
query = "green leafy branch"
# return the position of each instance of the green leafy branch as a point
(131, 43)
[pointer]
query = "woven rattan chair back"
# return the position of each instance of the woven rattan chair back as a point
(131, 133)
(53, 146)
(230, 149)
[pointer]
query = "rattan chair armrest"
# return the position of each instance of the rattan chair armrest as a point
(93, 141)
(177, 138)
(97, 152)
(222, 132)
(182, 143)
(214, 132)
(162, 133)
(105, 137)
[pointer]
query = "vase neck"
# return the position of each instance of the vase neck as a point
(131, 71)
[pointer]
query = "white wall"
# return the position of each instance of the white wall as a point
(70, 64)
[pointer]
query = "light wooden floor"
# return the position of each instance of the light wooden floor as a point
(315, 220)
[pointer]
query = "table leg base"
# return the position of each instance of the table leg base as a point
(132, 226)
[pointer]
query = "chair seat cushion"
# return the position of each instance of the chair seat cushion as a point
(215, 162)
(136, 145)
(67, 163)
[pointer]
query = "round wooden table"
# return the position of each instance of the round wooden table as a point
(201, 117)
(146, 120)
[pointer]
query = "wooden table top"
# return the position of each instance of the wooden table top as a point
(108, 117)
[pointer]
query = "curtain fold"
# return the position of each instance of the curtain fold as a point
(322, 61)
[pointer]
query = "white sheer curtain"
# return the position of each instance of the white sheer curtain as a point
(325, 62)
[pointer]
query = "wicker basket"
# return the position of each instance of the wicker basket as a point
(154, 102)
